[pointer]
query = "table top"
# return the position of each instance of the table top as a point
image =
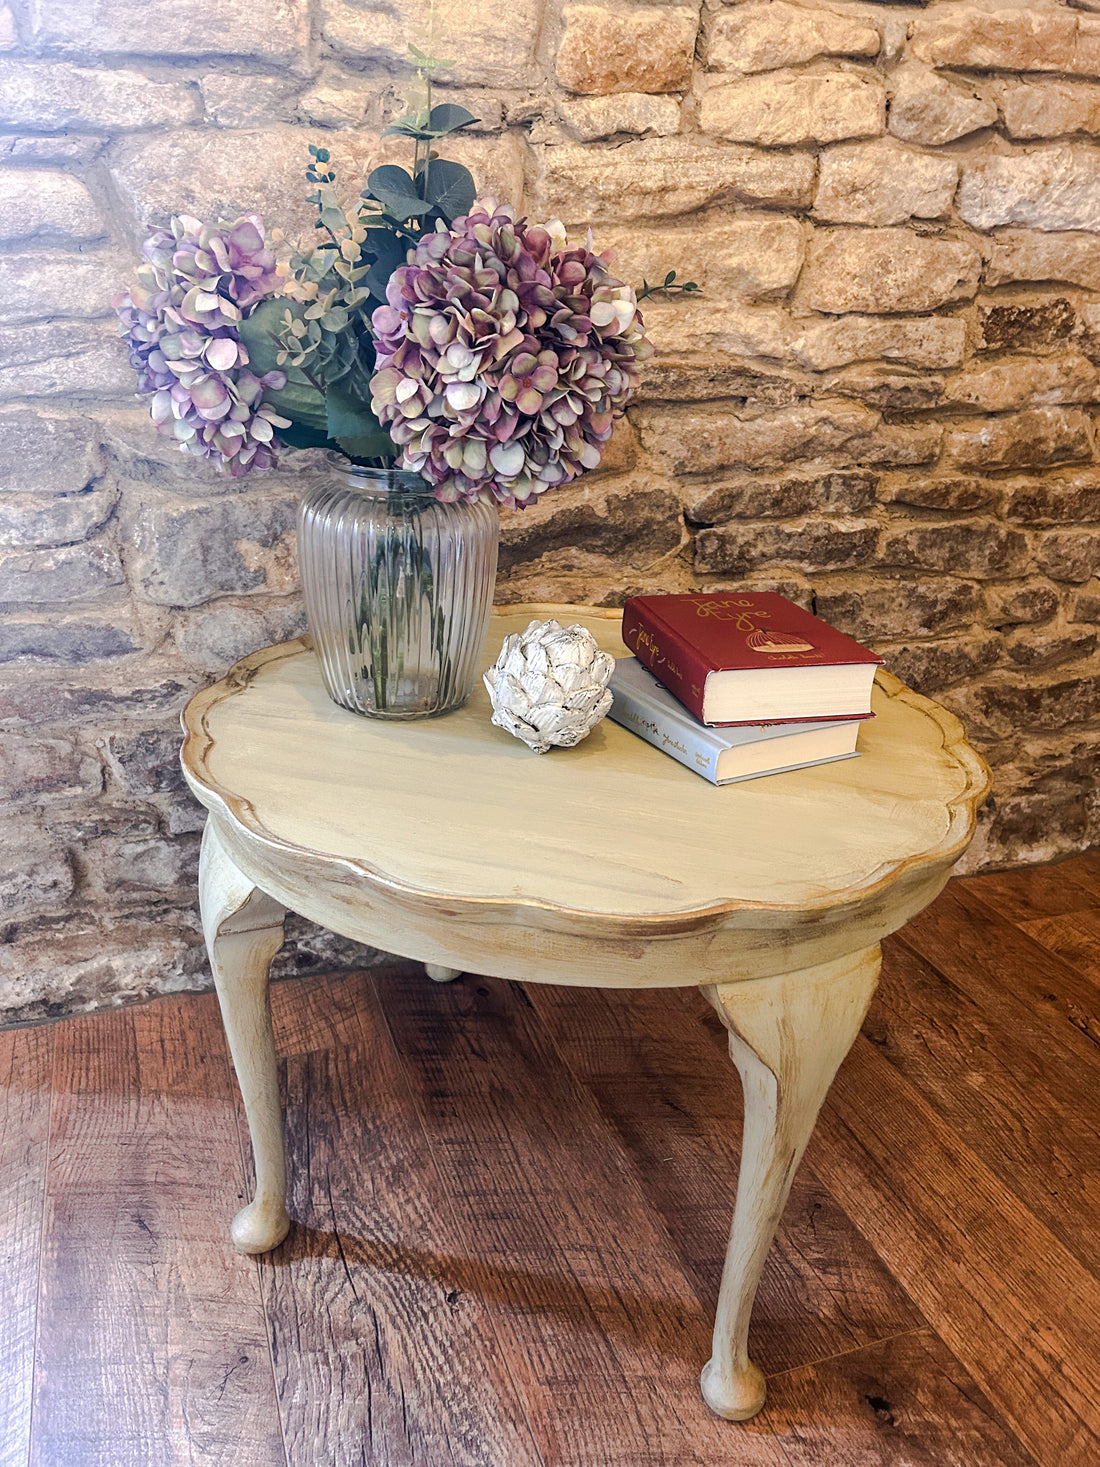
(453, 806)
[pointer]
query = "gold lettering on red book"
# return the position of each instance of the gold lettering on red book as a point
(645, 640)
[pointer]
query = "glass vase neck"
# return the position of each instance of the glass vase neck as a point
(387, 482)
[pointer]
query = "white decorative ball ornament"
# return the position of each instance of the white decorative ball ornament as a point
(549, 685)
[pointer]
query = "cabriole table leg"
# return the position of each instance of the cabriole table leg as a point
(243, 927)
(787, 1037)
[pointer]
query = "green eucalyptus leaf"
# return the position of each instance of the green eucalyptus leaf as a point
(396, 192)
(406, 128)
(449, 117)
(449, 187)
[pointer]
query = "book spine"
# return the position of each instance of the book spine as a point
(673, 736)
(668, 657)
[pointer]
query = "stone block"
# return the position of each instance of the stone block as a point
(76, 825)
(1001, 706)
(214, 637)
(632, 519)
(1020, 255)
(873, 607)
(154, 868)
(694, 441)
(895, 445)
(962, 548)
(185, 816)
(37, 287)
(1069, 555)
(956, 495)
(146, 761)
(754, 37)
(54, 95)
(497, 42)
(713, 331)
(813, 544)
(883, 182)
(1061, 498)
(35, 874)
(1045, 647)
(47, 207)
(1022, 381)
(74, 151)
(1055, 187)
(70, 637)
(1085, 604)
(28, 520)
(71, 359)
(884, 270)
(755, 258)
(277, 31)
(1034, 438)
(838, 492)
(31, 767)
(794, 108)
(182, 553)
(230, 100)
(927, 108)
(1031, 823)
(1015, 602)
(931, 666)
(1048, 109)
(68, 573)
(671, 379)
(646, 49)
(891, 389)
(334, 102)
(930, 342)
(657, 177)
(592, 118)
(93, 694)
(40, 454)
(1028, 325)
(54, 968)
(1008, 39)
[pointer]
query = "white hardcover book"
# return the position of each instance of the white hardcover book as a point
(722, 755)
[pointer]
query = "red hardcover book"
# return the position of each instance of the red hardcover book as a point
(750, 657)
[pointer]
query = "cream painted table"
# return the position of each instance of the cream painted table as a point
(447, 841)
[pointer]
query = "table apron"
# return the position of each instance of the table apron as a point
(533, 944)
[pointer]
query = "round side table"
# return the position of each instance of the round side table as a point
(447, 841)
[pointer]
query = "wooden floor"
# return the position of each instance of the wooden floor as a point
(510, 1213)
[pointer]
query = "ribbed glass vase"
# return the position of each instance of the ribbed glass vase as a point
(398, 590)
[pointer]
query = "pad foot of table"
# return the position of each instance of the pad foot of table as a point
(260, 1226)
(787, 1037)
(735, 1397)
(440, 974)
(243, 928)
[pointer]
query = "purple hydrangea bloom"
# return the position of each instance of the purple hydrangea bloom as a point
(180, 322)
(504, 356)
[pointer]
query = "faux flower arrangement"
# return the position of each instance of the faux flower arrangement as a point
(426, 330)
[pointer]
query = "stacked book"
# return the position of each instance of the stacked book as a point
(740, 685)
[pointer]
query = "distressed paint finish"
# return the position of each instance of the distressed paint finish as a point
(607, 866)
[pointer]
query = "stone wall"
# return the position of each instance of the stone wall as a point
(883, 403)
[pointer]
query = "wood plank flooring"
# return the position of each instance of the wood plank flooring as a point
(510, 1210)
